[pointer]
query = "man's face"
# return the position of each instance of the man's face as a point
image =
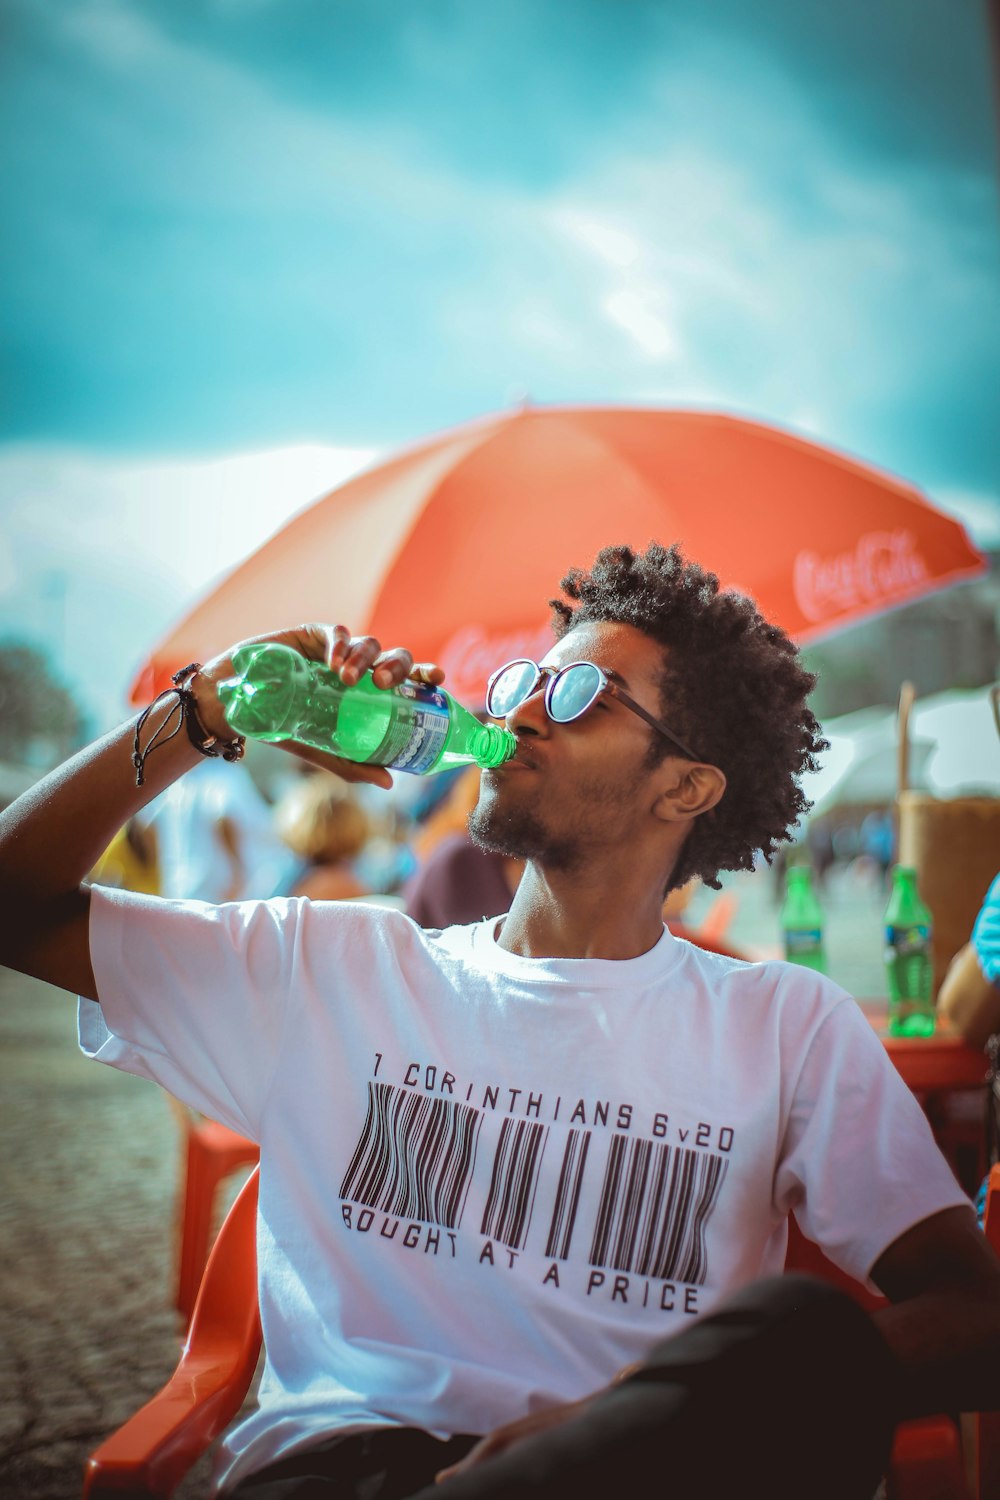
(576, 790)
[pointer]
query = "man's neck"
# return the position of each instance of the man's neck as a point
(571, 914)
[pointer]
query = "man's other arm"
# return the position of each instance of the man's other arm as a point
(51, 837)
(942, 1280)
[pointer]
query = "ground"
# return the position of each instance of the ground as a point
(88, 1176)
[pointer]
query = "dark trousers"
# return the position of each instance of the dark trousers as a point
(785, 1391)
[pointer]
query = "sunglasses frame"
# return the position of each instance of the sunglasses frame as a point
(606, 685)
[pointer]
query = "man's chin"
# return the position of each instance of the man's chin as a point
(516, 834)
(496, 834)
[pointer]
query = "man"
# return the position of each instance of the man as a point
(503, 1165)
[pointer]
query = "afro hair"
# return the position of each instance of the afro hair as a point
(732, 687)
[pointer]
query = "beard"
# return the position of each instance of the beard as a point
(521, 831)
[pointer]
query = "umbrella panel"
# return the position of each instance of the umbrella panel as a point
(454, 547)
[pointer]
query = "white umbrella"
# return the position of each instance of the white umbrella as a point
(964, 733)
(860, 766)
(954, 751)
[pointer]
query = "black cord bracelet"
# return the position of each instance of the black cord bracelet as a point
(186, 712)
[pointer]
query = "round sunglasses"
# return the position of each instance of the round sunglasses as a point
(569, 692)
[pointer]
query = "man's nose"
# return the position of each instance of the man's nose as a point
(529, 717)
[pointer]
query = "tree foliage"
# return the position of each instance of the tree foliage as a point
(38, 714)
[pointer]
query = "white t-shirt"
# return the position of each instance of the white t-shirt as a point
(488, 1182)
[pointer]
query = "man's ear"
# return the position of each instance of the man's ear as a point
(692, 788)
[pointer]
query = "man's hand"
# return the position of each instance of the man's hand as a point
(502, 1438)
(335, 647)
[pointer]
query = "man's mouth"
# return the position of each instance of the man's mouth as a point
(519, 761)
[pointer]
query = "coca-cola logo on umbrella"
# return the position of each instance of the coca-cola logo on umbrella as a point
(883, 565)
(473, 653)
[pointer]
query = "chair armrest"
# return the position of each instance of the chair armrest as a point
(926, 1462)
(154, 1449)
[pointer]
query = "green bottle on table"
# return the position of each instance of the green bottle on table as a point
(802, 920)
(909, 957)
(277, 694)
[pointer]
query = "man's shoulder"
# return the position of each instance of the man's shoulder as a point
(791, 990)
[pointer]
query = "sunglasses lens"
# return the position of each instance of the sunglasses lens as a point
(573, 691)
(512, 685)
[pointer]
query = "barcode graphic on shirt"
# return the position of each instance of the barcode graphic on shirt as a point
(655, 1202)
(415, 1156)
(512, 1186)
(567, 1195)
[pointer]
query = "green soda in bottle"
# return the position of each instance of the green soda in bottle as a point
(277, 694)
(909, 963)
(802, 921)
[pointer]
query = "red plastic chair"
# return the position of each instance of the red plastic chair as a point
(927, 1459)
(212, 1152)
(156, 1447)
(718, 919)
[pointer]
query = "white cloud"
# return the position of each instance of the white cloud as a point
(609, 242)
(794, 281)
(189, 520)
(100, 554)
(640, 311)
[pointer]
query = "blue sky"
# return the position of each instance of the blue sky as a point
(235, 226)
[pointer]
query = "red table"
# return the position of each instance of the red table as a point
(937, 1063)
(943, 1071)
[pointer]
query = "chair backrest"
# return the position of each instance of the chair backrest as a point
(227, 1297)
(804, 1255)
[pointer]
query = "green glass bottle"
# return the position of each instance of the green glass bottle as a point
(802, 921)
(909, 960)
(277, 694)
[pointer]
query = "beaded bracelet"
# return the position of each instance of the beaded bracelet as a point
(186, 711)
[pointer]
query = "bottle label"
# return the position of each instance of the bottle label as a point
(417, 732)
(803, 940)
(902, 942)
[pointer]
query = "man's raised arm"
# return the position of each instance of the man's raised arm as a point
(53, 835)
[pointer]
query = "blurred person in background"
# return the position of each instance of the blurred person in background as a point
(455, 881)
(819, 843)
(459, 882)
(323, 824)
(131, 862)
(216, 839)
(969, 998)
(877, 837)
(970, 991)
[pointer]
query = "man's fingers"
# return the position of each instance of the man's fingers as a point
(356, 658)
(392, 667)
(427, 671)
(350, 655)
(347, 770)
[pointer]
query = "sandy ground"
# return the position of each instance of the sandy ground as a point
(88, 1176)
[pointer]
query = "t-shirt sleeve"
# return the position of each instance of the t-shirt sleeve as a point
(859, 1165)
(193, 996)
